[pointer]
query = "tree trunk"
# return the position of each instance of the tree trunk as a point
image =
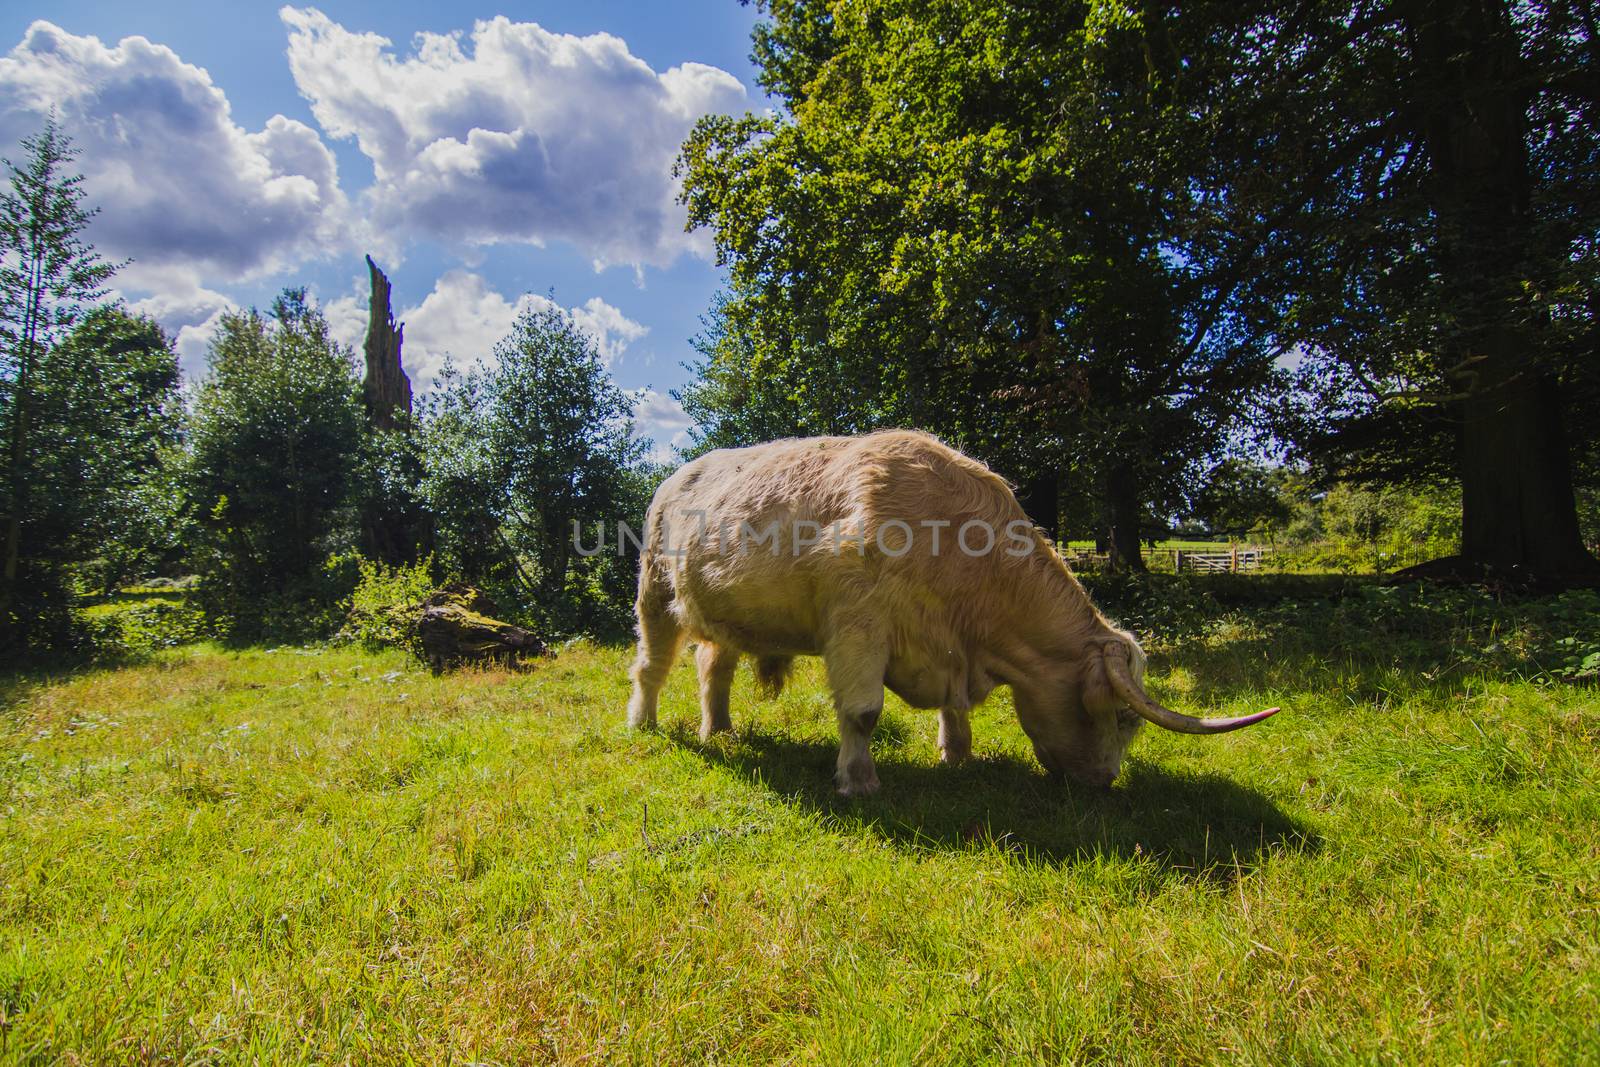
(1125, 512)
(386, 387)
(554, 558)
(1040, 498)
(1519, 517)
(1518, 513)
(393, 534)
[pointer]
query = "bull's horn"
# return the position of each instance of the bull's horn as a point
(1141, 702)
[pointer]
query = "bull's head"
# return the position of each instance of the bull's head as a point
(1086, 735)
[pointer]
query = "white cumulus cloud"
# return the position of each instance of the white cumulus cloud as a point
(516, 135)
(188, 311)
(465, 317)
(611, 329)
(183, 189)
(347, 320)
(662, 419)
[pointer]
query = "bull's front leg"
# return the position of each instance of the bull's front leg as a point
(855, 663)
(955, 735)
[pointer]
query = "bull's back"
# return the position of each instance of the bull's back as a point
(746, 537)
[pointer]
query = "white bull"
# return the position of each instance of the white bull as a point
(902, 563)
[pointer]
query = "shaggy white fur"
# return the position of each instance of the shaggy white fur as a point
(902, 563)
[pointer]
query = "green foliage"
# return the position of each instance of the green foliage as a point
(1155, 605)
(134, 630)
(1429, 173)
(1357, 529)
(102, 504)
(1079, 239)
(273, 436)
(49, 275)
(1392, 287)
(58, 488)
(1242, 497)
(105, 448)
(382, 607)
(520, 450)
(990, 222)
(387, 489)
(1428, 628)
(1571, 648)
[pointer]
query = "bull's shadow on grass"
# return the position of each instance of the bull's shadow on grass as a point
(1200, 826)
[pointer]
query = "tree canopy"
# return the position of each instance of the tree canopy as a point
(521, 448)
(274, 438)
(992, 222)
(50, 277)
(1095, 238)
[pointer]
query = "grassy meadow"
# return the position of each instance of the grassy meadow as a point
(328, 855)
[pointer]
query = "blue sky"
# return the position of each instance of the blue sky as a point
(485, 157)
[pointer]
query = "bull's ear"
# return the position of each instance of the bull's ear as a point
(1094, 684)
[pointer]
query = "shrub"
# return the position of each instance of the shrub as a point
(159, 624)
(382, 607)
(136, 630)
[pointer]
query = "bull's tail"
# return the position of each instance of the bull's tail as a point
(771, 673)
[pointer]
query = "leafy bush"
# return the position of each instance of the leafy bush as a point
(1359, 530)
(131, 631)
(518, 450)
(304, 608)
(1572, 627)
(1169, 606)
(160, 624)
(381, 608)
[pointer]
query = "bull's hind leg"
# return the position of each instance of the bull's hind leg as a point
(716, 664)
(855, 665)
(660, 636)
(955, 735)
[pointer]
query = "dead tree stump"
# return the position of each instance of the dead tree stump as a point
(455, 625)
(386, 388)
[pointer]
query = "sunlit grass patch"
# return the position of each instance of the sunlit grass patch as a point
(292, 855)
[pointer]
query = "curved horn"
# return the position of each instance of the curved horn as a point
(1141, 702)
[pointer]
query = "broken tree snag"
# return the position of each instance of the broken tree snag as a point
(456, 626)
(386, 387)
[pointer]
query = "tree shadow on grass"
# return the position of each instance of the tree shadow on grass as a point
(1202, 827)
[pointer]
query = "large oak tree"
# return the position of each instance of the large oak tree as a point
(991, 220)
(1445, 274)
(1080, 236)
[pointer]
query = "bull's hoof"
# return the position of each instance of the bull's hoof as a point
(859, 784)
(708, 730)
(950, 757)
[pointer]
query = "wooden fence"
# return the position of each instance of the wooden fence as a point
(1230, 561)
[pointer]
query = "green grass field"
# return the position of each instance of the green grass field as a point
(326, 855)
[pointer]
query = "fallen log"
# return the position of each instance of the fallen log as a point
(456, 625)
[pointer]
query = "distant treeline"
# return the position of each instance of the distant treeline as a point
(1326, 273)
